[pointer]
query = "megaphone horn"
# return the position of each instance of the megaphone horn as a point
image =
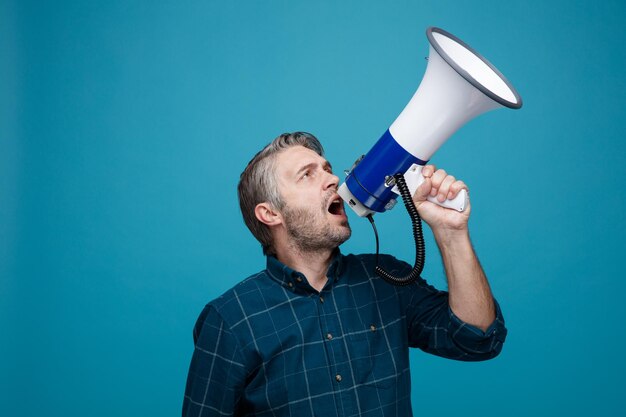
(458, 85)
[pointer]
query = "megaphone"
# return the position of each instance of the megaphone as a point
(458, 85)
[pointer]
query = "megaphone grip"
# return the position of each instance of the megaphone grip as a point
(458, 203)
(414, 178)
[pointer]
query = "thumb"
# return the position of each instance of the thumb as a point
(422, 192)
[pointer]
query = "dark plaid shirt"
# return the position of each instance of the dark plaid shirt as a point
(274, 346)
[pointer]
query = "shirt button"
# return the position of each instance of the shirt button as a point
(373, 328)
(321, 299)
(329, 336)
(299, 279)
(290, 284)
(338, 378)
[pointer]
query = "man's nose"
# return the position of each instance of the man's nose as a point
(331, 181)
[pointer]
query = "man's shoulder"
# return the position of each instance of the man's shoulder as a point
(228, 309)
(233, 299)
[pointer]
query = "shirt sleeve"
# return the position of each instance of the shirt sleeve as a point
(217, 372)
(434, 328)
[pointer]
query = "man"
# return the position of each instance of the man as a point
(317, 333)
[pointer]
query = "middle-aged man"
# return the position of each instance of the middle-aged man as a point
(317, 333)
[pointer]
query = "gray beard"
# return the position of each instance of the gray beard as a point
(309, 237)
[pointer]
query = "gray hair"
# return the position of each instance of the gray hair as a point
(258, 183)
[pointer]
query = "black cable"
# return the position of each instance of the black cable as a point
(371, 219)
(420, 252)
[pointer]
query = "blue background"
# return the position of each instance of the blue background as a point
(124, 128)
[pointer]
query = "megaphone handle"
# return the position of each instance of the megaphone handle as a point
(414, 179)
(458, 203)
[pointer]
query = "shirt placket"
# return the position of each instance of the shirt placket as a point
(335, 346)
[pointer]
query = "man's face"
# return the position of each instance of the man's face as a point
(313, 215)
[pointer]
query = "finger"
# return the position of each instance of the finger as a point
(437, 179)
(428, 171)
(456, 188)
(444, 188)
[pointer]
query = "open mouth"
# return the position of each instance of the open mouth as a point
(336, 206)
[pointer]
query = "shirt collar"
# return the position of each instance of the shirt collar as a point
(294, 280)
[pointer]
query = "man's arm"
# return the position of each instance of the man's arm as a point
(433, 327)
(470, 297)
(217, 372)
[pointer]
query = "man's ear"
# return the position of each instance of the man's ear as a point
(267, 215)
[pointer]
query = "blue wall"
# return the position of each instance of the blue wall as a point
(124, 127)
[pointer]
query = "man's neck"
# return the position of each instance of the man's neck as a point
(313, 265)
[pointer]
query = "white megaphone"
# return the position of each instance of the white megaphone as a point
(459, 84)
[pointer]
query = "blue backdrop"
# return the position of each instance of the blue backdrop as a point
(124, 128)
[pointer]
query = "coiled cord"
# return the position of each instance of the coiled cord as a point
(418, 235)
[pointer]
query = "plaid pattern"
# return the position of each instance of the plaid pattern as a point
(273, 346)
